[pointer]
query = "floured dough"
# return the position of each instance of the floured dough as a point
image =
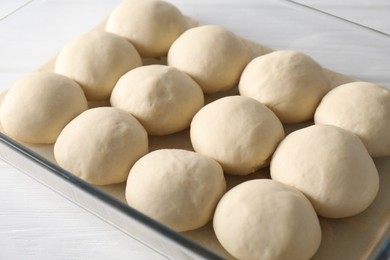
(362, 108)
(101, 145)
(162, 98)
(38, 106)
(151, 25)
(290, 83)
(213, 56)
(239, 132)
(178, 188)
(330, 166)
(265, 219)
(96, 60)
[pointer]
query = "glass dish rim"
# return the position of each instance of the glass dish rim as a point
(107, 198)
(365, 27)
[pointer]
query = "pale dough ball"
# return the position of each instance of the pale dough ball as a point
(362, 108)
(151, 25)
(330, 166)
(38, 106)
(178, 188)
(101, 145)
(239, 132)
(265, 219)
(213, 56)
(162, 98)
(290, 83)
(96, 60)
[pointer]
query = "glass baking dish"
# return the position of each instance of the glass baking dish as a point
(33, 35)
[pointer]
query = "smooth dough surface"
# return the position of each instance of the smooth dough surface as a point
(213, 56)
(162, 98)
(38, 106)
(290, 83)
(96, 60)
(362, 108)
(265, 219)
(178, 188)
(101, 145)
(151, 25)
(330, 166)
(239, 132)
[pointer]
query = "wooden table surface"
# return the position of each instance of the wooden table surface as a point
(37, 223)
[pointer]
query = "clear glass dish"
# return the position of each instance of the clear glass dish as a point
(33, 35)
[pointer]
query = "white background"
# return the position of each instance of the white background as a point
(37, 223)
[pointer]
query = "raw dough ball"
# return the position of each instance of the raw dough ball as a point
(362, 108)
(96, 60)
(101, 145)
(290, 83)
(38, 106)
(178, 188)
(239, 132)
(152, 26)
(265, 219)
(330, 166)
(162, 98)
(213, 56)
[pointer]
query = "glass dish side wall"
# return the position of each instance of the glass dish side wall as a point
(165, 241)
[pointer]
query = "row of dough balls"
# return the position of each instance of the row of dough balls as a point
(181, 189)
(239, 133)
(108, 66)
(97, 60)
(104, 131)
(152, 28)
(243, 135)
(293, 93)
(322, 169)
(259, 219)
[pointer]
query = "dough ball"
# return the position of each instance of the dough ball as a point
(162, 98)
(101, 145)
(330, 166)
(151, 25)
(362, 108)
(239, 132)
(290, 83)
(38, 106)
(96, 60)
(265, 219)
(213, 56)
(178, 188)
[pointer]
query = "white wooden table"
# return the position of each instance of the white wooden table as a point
(37, 223)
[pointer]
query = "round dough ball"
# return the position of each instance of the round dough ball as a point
(178, 188)
(162, 98)
(101, 145)
(265, 219)
(238, 132)
(38, 106)
(362, 108)
(96, 60)
(330, 166)
(290, 83)
(151, 25)
(213, 56)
